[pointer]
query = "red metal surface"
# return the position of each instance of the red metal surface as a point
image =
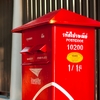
(36, 65)
(60, 16)
(66, 69)
(75, 75)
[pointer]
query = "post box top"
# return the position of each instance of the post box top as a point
(61, 16)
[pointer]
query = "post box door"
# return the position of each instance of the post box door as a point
(75, 61)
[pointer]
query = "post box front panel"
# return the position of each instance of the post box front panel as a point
(74, 62)
(36, 63)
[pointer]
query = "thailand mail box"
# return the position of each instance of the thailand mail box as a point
(58, 57)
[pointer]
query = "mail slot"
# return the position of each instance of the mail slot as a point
(31, 49)
(58, 57)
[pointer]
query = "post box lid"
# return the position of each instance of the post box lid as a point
(61, 16)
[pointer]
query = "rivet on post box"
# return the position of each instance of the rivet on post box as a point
(58, 57)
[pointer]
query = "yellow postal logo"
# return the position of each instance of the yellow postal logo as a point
(74, 57)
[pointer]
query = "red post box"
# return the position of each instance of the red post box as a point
(58, 57)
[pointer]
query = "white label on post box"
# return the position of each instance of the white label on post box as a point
(26, 49)
(36, 81)
(36, 71)
(28, 39)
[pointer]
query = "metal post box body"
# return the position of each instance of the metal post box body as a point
(58, 57)
(36, 64)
